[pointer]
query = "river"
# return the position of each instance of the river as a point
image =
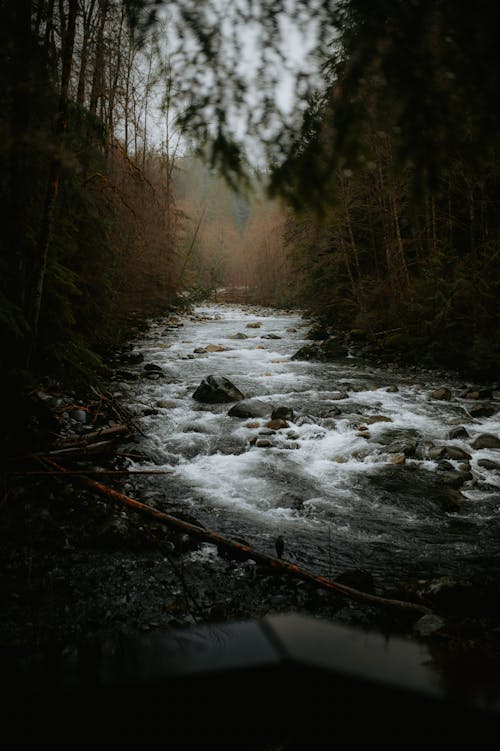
(335, 492)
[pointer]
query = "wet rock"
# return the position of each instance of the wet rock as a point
(472, 393)
(486, 441)
(398, 459)
(199, 351)
(263, 443)
(453, 452)
(149, 412)
(239, 335)
(392, 389)
(436, 452)
(459, 432)
(442, 393)
(482, 410)
(254, 325)
(338, 395)
(489, 464)
(215, 348)
(377, 418)
(151, 367)
(277, 424)
(217, 390)
(445, 466)
(282, 413)
(308, 352)
(250, 408)
(406, 447)
(271, 336)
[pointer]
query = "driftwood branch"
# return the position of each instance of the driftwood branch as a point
(241, 551)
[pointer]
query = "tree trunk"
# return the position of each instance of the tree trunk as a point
(60, 127)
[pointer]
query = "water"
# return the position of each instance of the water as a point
(334, 494)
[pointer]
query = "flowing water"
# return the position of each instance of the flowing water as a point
(332, 490)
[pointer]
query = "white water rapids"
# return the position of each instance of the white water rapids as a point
(333, 491)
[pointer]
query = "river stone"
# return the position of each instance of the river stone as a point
(215, 348)
(392, 389)
(308, 352)
(216, 390)
(238, 336)
(489, 464)
(277, 424)
(263, 443)
(318, 332)
(442, 393)
(152, 367)
(377, 418)
(255, 325)
(482, 410)
(282, 413)
(398, 458)
(486, 441)
(436, 452)
(444, 465)
(250, 408)
(453, 452)
(271, 336)
(459, 432)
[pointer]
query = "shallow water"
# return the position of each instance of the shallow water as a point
(334, 493)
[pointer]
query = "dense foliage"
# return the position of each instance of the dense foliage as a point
(387, 159)
(90, 224)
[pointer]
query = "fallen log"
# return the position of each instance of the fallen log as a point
(113, 431)
(239, 550)
(83, 449)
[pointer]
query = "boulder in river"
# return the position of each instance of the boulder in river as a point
(282, 413)
(255, 325)
(217, 390)
(442, 393)
(459, 432)
(238, 336)
(250, 408)
(489, 464)
(152, 367)
(482, 410)
(486, 441)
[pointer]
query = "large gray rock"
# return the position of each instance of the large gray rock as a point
(250, 408)
(217, 390)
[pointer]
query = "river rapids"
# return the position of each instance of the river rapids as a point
(333, 482)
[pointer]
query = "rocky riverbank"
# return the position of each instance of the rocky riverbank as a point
(76, 566)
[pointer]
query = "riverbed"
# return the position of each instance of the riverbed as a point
(332, 481)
